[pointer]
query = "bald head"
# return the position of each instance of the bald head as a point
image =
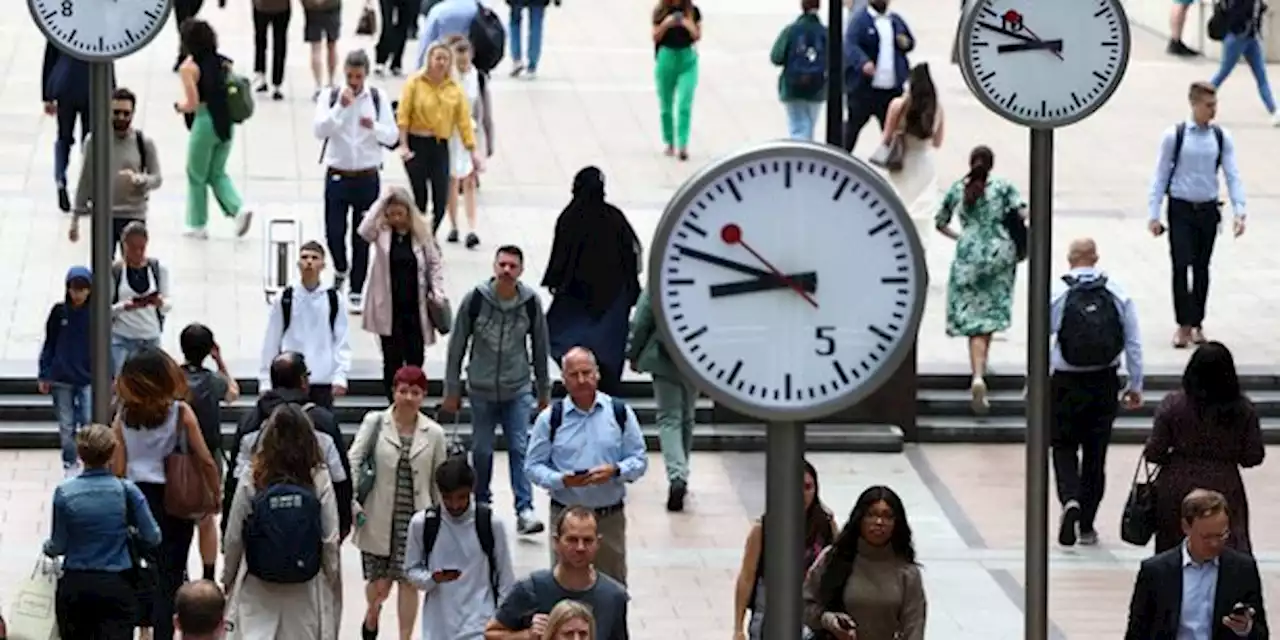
(578, 355)
(581, 375)
(1083, 253)
(289, 371)
(198, 609)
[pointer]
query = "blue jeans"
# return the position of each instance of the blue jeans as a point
(535, 35)
(349, 196)
(1235, 46)
(802, 118)
(72, 404)
(513, 415)
(122, 348)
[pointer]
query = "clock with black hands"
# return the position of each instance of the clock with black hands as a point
(1044, 63)
(787, 281)
(100, 30)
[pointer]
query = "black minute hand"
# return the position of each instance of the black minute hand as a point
(1043, 45)
(722, 262)
(807, 281)
(1012, 34)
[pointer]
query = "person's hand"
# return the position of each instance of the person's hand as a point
(73, 234)
(602, 474)
(216, 353)
(138, 179)
(339, 390)
(477, 161)
(739, 635)
(156, 301)
(1240, 624)
(539, 626)
(132, 304)
(44, 387)
(366, 122)
(51, 108)
(1131, 399)
(571, 480)
(868, 68)
(543, 403)
(670, 19)
(347, 97)
(839, 625)
(451, 404)
(126, 173)
(1156, 228)
(405, 153)
(903, 41)
(442, 577)
(1237, 226)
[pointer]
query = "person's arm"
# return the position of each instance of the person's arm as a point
(462, 120)
(914, 605)
(854, 56)
(693, 24)
(541, 348)
(459, 338)
(634, 461)
(439, 453)
(621, 627)
(892, 119)
(360, 445)
(143, 519)
(162, 286)
(330, 530)
(231, 388)
(84, 183)
(537, 462)
(230, 480)
(942, 219)
(271, 341)
(778, 54)
(940, 130)
(512, 615)
(1132, 346)
(814, 607)
(1231, 170)
(1141, 606)
(642, 328)
(56, 545)
(51, 55)
(328, 118)
(373, 220)
(1258, 602)
(154, 177)
(416, 570)
(661, 25)
(120, 456)
(190, 77)
(1254, 450)
(1159, 444)
(404, 110)
(196, 445)
(502, 557)
(903, 30)
(341, 345)
(1163, 173)
(435, 272)
(384, 128)
(339, 468)
(233, 535)
(746, 577)
(51, 330)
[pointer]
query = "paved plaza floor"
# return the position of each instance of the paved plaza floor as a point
(594, 104)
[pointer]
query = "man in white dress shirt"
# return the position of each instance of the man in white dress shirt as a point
(355, 122)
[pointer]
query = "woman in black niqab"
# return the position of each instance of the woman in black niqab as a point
(593, 275)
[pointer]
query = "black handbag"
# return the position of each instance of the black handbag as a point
(142, 574)
(367, 25)
(1017, 228)
(1217, 27)
(1138, 522)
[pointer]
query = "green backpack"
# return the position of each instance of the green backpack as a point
(239, 97)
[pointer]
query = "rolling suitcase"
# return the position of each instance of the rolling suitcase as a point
(280, 255)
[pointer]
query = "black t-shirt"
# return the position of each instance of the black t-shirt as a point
(677, 37)
(404, 277)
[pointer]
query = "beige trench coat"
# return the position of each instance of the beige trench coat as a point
(264, 611)
(427, 452)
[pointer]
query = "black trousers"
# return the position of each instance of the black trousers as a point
(95, 605)
(183, 9)
(1084, 409)
(171, 563)
(862, 105)
(1193, 227)
(405, 346)
(429, 166)
(397, 15)
(278, 25)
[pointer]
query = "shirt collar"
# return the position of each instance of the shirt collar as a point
(570, 406)
(101, 471)
(1195, 126)
(1188, 561)
(1084, 271)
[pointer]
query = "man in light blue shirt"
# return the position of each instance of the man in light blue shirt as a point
(1093, 321)
(442, 20)
(584, 449)
(1187, 173)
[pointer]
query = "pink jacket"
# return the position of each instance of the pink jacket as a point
(377, 289)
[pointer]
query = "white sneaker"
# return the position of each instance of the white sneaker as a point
(196, 234)
(355, 303)
(979, 402)
(527, 523)
(243, 220)
(530, 75)
(1275, 118)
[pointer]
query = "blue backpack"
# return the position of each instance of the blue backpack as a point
(805, 71)
(282, 538)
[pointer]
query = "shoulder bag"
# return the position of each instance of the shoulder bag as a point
(185, 495)
(889, 155)
(1138, 521)
(368, 471)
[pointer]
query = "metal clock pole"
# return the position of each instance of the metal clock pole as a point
(784, 528)
(102, 178)
(1039, 408)
(835, 74)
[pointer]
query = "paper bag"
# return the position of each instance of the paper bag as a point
(31, 614)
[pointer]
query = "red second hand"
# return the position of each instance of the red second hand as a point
(732, 234)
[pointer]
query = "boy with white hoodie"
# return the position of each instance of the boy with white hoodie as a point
(459, 556)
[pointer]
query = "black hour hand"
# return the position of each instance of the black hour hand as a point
(807, 281)
(1043, 45)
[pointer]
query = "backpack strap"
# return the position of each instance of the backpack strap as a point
(619, 413)
(333, 309)
(117, 273)
(473, 306)
(153, 266)
(286, 309)
(484, 531)
(430, 531)
(1222, 144)
(531, 307)
(557, 416)
(142, 151)
(1179, 133)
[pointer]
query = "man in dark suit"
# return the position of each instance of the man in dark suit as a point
(876, 44)
(1172, 596)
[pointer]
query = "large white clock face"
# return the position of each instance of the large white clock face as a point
(99, 29)
(1044, 63)
(789, 279)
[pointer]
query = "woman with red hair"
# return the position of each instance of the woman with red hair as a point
(400, 448)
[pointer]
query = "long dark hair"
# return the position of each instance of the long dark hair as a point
(845, 548)
(922, 103)
(287, 451)
(817, 528)
(1211, 384)
(981, 160)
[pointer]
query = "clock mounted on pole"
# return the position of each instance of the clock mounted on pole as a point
(1042, 64)
(100, 31)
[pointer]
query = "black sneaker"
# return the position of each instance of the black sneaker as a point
(1067, 525)
(675, 496)
(452, 237)
(1179, 48)
(368, 634)
(64, 199)
(472, 240)
(261, 88)
(277, 95)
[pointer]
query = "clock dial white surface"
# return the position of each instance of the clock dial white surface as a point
(834, 328)
(1044, 62)
(100, 29)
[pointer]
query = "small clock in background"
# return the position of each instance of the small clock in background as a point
(100, 30)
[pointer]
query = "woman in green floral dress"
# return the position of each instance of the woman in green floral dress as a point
(980, 287)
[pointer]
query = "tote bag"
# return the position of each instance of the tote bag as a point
(31, 616)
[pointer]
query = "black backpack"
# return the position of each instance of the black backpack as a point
(557, 417)
(206, 403)
(1092, 330)
(484, 531)
(805, 68)
(488, 39)
(282, 537)
(117, 273)
(286, 308)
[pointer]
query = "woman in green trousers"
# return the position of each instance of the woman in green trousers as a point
(204, 90)
(677, 26)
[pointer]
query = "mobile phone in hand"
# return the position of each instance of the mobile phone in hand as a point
(581, 472)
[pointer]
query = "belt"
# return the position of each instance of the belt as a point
(601, 512)
(353, 173)
(1209, 205)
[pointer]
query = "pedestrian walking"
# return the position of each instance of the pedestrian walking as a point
(271, 17)
(1243, 21)
(677, 27)
(64, 89)
(321, 29)
(463, 174)
(65, 371)
(876, 44)
(522, 64)
(139, 297)
(801, 50)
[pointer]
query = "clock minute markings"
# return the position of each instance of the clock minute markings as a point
(880, 333)
(733, 373)
(48, 15)
(885, 224)
(694, 228)
(892, 280)
(1100, 76)
(697, 333)
(786, 385)
(733, 188)
(844, 184)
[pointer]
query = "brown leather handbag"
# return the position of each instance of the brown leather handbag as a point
(185, 494)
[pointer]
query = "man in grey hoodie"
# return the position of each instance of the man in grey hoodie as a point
(502, 323)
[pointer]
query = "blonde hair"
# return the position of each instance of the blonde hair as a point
(438, 45)
(565, 611)
(95, 444)
(421, 229)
